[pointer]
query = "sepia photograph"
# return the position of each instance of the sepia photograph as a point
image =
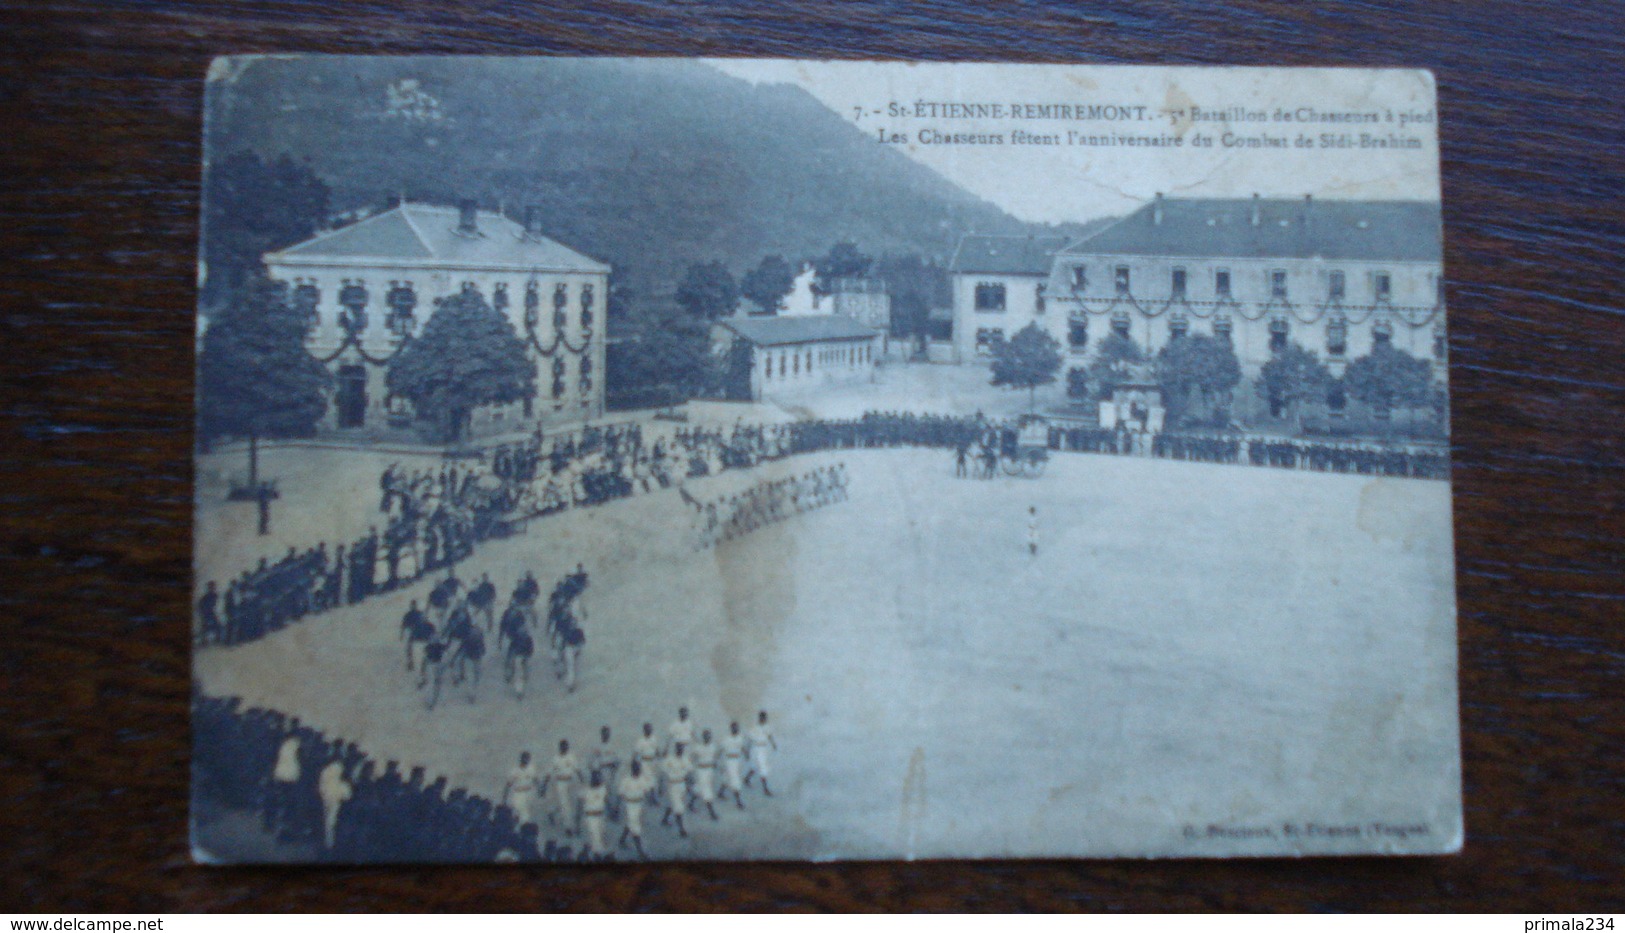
(610, 459)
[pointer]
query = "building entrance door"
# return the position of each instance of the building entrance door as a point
(351, 399)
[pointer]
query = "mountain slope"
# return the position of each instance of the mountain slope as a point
(646, 164)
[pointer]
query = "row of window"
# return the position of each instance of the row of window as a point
(792, 363)
(1337, 333)
(1382, 283)
(993, 297)
(401, 301)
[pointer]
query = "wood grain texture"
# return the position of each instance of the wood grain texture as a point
(99, 146)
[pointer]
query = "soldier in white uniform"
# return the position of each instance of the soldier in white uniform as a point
(334, 791)
(594, 799)
(603, 761)
(733, 762)
(282, 803)
(647, 749)
(521, 789)
(561, 779)
(632, 790)
(761, 745)
(681, 730)
(704, 757)
(1032, 531)
(675, 769)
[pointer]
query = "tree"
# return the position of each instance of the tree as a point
(1112, 358)
(1196, 367)
(843, 261)
(735, 367)
(1026, 361)
(707, 291)
(254, 377)
(468, 355)
(915, 287)
(250, 208)
(1389, 378)
(1291, 377)
(663, 359)
(768, 283)
(1077, 383)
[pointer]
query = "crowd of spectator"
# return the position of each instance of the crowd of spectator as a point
(310, 793)
(437, 517)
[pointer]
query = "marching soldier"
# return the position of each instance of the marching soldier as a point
(704, 755)
(603, 759)
(733, 760)
(571, 640)
(681, 731)
(482, 600)
(415, 629)
(432, 667)
(647, 749)
(675, 769)
(632, 789)
(594, 798)
(761, 745)
(520, 791)
(561, 778)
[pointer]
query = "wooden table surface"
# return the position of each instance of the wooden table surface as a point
(99, 154)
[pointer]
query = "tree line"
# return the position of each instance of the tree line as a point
(1197, 375)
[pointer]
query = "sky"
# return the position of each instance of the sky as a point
(1052, 177)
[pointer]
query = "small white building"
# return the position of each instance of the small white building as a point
(1000, 286)
(803, 298)
(860, 298)
(790, 353)
(371, 285)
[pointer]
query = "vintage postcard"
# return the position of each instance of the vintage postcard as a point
(623, 459)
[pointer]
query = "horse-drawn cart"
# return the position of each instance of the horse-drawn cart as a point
(1026, 448)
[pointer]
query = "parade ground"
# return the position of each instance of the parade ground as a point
(1192, 642)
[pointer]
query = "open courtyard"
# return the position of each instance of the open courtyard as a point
(1211, 656)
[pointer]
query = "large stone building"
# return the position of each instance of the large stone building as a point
(1000, 285)
(1335, 277)
(371, 285)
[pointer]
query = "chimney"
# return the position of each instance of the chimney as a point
(468, 216)
(1257, 218)
(1156, 211)
(533, 221)
(1308, 202)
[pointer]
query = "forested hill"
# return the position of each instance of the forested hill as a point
(647, 164)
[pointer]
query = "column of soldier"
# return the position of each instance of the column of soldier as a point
(422, 536)
(684, 775)
(769, 501)
(446, 640)
(1348, 458)
(1262, 451)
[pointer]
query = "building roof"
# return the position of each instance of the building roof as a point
(1005, 255)
(424, 234)
(805, 328)
(1287, 228)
